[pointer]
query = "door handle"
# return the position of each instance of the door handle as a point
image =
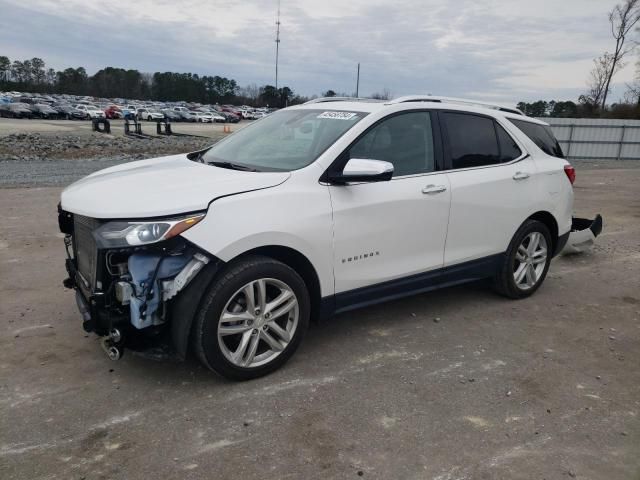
(520, 176)
(430, 189)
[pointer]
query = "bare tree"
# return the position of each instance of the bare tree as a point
(598, 80)
(623, 19)
(384, 95)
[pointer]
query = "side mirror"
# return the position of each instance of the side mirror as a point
(363, 170)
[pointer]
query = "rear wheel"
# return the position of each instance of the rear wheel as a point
(527, 261)
(252, 319)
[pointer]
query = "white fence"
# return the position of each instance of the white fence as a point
(597, 139)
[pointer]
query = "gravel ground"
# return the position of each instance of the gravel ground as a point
(455, 384)
(56, 153)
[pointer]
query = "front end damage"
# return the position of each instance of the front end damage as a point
(135, 297)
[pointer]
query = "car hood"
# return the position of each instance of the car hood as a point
(160, 187)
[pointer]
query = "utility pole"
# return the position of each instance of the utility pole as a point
(277, 42)
(358, 81)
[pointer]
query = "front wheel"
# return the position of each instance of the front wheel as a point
(252, 319)
(526, 262)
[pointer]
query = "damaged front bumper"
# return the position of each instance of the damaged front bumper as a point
(129, 295)
(583, 235)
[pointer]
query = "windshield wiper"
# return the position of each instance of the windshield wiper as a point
(233, 166)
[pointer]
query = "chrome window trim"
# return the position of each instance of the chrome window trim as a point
(524, 156)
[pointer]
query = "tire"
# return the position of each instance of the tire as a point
(227, 293)
(520, 273)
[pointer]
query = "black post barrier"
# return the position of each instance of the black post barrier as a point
(131, 119)
(167, 127)
(101, 121)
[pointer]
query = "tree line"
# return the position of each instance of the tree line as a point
(569, 109)
(32, 75)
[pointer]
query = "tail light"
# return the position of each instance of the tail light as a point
(570, 172)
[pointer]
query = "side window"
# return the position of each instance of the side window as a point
(509, 149)
(541, 135)
(472, 140)
(406, 140)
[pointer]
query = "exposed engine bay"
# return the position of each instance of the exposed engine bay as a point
(124, 294)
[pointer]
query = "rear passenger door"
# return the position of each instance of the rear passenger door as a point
(493, 185)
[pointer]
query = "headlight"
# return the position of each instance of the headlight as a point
(130, 234)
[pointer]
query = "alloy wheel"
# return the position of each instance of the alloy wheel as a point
(530, 261)
(258, 322)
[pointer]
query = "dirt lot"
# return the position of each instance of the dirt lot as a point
(456, 384)
(57, 152)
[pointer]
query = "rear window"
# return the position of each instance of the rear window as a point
(541, 135)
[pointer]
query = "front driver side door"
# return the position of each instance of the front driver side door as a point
(387, 231)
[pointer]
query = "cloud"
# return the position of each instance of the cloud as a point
(506, 50)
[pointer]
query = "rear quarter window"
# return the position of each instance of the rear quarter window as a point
(541, 135)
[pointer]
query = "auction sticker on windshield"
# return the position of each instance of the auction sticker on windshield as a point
(337, 115)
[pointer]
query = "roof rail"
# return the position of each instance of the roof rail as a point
(341, 99)
(462, 101)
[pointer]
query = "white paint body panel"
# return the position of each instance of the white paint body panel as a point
(296, 214)
(402, 227)
(487, 207)
(159, 187)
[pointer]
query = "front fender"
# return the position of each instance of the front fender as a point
(187, 303)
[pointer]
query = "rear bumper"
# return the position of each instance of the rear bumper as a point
(582, 235)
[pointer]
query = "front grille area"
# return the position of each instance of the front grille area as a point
(86, 251)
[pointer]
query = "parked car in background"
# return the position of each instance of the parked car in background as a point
(16, 110)
(128, 113)
(113, 112)
(171, 115)
(43, 110)
(217, 117)
(4, 110)
(90, 111)
(149, 114)
(69, 112)
(229, 109)
(187, 116)
(204, 117)
(230, 117)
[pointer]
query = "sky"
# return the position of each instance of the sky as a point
(498, 50)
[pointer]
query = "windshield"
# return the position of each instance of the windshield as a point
(284, 141)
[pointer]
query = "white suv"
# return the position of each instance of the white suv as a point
(90, 111)
(316, 209)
